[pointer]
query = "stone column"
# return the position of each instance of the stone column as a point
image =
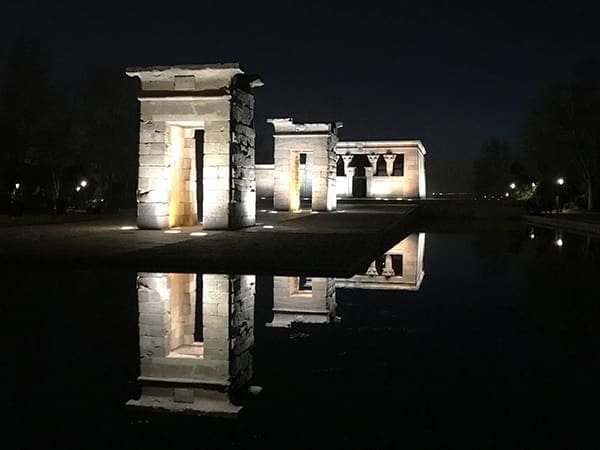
(388, 270)
(350, 172)
(347, 160)
(372, 270)
(373, 161)
(389, 163)
(369, 178)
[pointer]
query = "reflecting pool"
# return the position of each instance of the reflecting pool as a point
(478, 340)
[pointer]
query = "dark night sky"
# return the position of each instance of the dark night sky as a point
(448, 73)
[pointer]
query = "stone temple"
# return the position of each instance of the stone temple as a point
(310, 163)
(196, 155)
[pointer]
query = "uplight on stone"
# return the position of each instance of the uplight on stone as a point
(172, 231)
(268, 227)
(198, 233)
(127, 228)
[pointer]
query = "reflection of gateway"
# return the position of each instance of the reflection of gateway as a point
(312, 300)
(302, 299)
(196, 340)
(400, 268)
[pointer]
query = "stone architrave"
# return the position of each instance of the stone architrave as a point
(373, 161)
(315, 139)
(175, 102)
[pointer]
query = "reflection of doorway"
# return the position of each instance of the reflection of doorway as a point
(305, 179)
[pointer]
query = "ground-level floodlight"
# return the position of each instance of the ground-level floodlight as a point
(560, 181)
(513, 185)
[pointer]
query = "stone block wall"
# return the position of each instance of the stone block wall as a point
(176, 101)
(290, 304)
(243, 178)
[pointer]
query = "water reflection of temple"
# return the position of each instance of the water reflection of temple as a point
(302, 299)
(313, 300)
(196, 338)
(400, 268)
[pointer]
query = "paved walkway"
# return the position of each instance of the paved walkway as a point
(341, 243)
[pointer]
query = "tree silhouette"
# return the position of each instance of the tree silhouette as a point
(561, 133)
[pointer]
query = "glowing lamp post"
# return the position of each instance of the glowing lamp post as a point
(560, 181)
(513, 185)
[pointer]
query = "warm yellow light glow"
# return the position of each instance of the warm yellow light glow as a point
(272, 212)
(128, 227)
(531, 236)
(17, 185)
(173, 231)
(268, 226)
(263, 210)
(83, 183)
(560, 181)
(506, 194)
(78, 188)
(559, 242)
(198, 233)
(533, 185)
(513, 185)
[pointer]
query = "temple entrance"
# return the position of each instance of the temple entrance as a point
(359, 181)
(305, 179)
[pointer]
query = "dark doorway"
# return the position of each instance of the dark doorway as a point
(359, 182)
(199, 137)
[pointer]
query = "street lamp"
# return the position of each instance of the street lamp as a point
(513, 185)
(17, 186)
(78, 188)
(560, 181)
(83, 183)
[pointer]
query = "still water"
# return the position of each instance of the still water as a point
(485, 340)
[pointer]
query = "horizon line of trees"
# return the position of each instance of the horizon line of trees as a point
(56, 134)
(560, 138)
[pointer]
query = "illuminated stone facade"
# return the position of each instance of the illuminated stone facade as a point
(195, 357)
(372, 169)
(302, 147)
(179, 104)
(389, 169)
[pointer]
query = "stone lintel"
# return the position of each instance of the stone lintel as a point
(287, 126)
(380, 147)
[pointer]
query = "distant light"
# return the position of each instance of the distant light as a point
(533, 185)
(506, 194)
(198, 233)
(559, 242)
(78, 188)
(127, 227)
(560, 181)
(314, 212)
(272, 212)
(513, 185)
(268, 227)
(485, 196)
(263, 210)
(386, 199)
(532, 236)
(263, 198)
(17, 185)
(173, 231)
(83, 183)
(305, 198)
(398, 198)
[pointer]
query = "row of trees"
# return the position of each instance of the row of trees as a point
(560, 138)
(57, 133)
